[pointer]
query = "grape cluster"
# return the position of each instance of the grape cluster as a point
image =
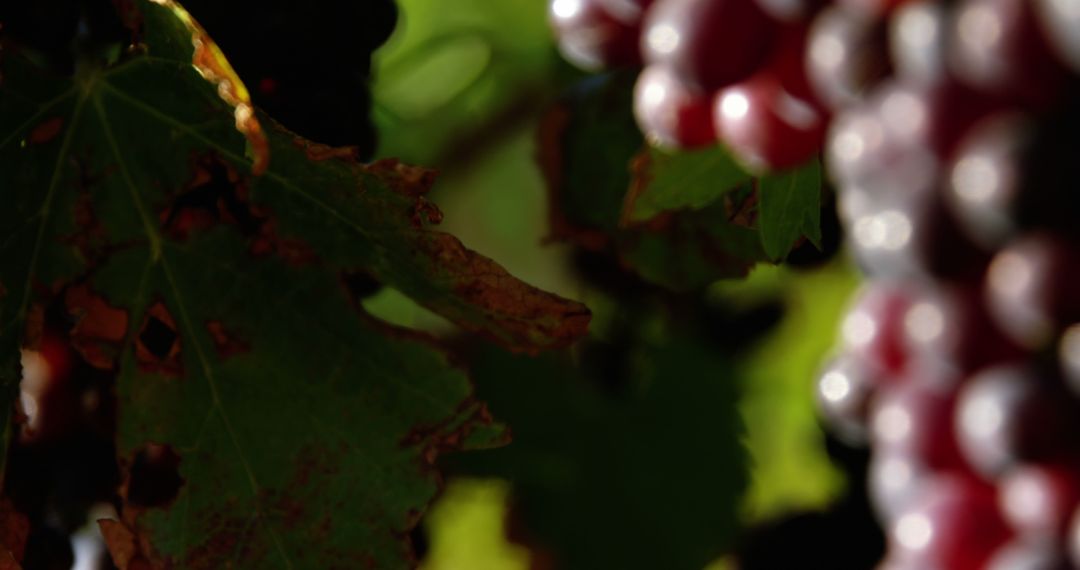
(953, 158)
(713, 69)
(950, 131)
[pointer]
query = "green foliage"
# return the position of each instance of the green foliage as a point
(693, 249)
(451, 79)
(588, 142)
(304, 429)
(642, 475)
(678, 220)
(789, 208)
(677, 180)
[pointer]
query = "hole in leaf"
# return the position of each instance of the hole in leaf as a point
(215, 194)
(360, 284)
(154, 478)
(420, 542)
(226, 343)
(158, 337)
(158, 346)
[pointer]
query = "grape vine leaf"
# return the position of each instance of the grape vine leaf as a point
(204, 254)
(789, 208)
(640, 471)
(586, 144)
(690, 250)
(665, 180)
(679, 220)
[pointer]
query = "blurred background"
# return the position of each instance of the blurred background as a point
(463, 87)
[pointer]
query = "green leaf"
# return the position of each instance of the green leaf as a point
(643, 477)
(204, 255)
(693, 249)
(677, 180)
(588, 143)
(790, 208)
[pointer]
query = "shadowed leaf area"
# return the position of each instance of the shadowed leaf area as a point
(204, 256)
(678, 219)
(627, 458)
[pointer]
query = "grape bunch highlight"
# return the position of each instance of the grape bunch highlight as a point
(951, 133)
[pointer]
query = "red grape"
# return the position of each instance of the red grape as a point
(953, 525)
(765, 126)
(947, 325)
(670, 113)
(629, 11)
(1060, 21)
(873, 326)
(895, 481)
(790, 11)
(1030, 288)
(788, 64)
(1029, 554)
(844, 389)
(999, 49)
(1038, 500)
(915, 419)
(985, 176)
(708, 43)
(591, 37)
(872, 8)
(917, 35)
(846, 56)
(1010, 414)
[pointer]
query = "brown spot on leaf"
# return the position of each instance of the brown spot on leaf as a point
(448, 435)
(227, 345)
(231, 540)
(157, 347)
(99, 327)
(46, 131)
(425, 209)
(128, 550)
(295, 252)
(530, 319)
(313, 464)
(405, 179)
(90, 237)
(291, 511)
(413, 182)
(215, 194)
(319, 152)
(641, 169)
(154, 476)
